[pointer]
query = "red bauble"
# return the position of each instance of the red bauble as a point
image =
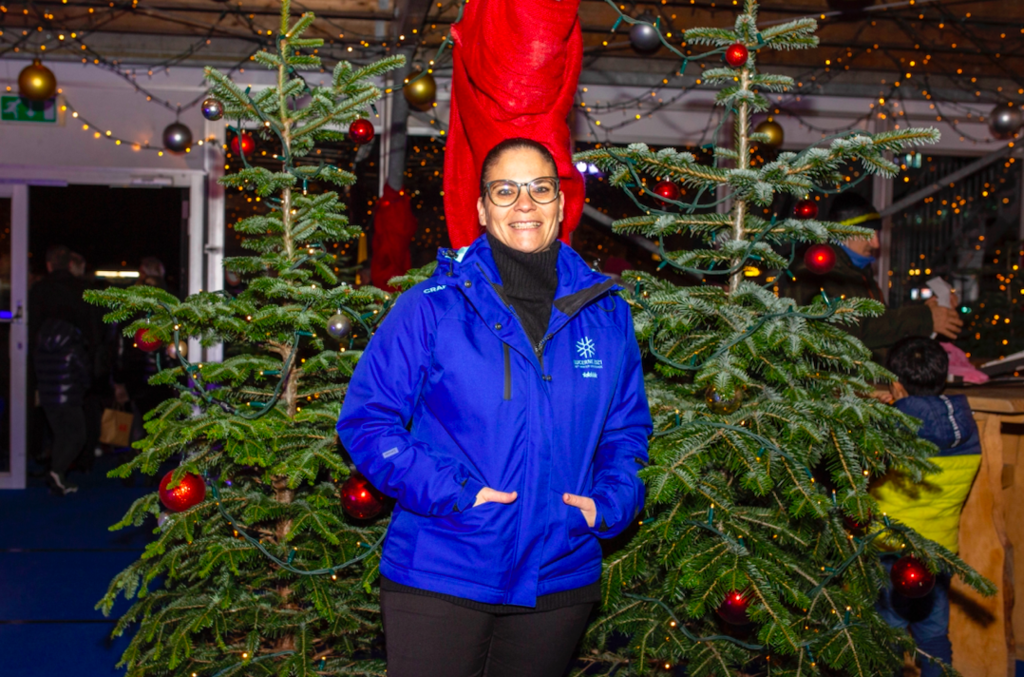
(820, 258)
(911, 578)
(146, 346)
(852, 524)
(248, 145)
(360, 499)
(190, 492)
(806, 209)
(361, 131)
(667, 190)
(736, 54)
(733, 608)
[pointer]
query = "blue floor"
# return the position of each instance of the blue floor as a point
(56, 560)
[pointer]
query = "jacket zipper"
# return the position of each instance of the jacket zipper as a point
(539, 350)
(508, 372)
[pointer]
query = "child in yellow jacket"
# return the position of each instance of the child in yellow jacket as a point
(932, 507)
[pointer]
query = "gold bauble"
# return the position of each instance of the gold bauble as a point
(181, 350)
(774, 131)
(420, 91)
(719, 405)
(37, 82)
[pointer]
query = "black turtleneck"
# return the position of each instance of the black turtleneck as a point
(528, 282)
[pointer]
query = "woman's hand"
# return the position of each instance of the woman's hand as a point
(586, 506)
(488, 495)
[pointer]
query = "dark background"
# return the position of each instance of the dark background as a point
(113, 228)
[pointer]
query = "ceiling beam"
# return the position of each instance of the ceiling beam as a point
(357, 15)
(409, 15)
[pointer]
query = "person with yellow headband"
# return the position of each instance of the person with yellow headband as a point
(852, 277)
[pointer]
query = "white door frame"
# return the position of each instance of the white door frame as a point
(14, 182)
(14, 478)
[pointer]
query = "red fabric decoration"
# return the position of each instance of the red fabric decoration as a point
(516, 64)
(393, 228)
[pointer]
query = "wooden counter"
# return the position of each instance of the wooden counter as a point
(982, 629)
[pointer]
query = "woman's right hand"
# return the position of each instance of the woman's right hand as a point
(488, 495)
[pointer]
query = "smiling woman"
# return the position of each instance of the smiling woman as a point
(501, 402)
(527, 221)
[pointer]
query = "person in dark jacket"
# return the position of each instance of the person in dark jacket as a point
(59, 295)
(501, 403)
(852, 277)
(931, 507)
(62, 372)
(63, 332)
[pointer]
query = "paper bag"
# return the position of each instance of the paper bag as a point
(115, 427)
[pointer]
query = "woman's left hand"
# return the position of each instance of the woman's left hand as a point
(586, 506)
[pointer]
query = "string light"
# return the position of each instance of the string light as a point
(118, 140)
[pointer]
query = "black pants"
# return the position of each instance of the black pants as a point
(68, 425)
(428, 637)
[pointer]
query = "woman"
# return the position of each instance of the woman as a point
(502, 404)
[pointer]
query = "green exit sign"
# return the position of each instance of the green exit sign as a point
(14, 108)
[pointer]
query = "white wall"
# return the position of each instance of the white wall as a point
(111, 103)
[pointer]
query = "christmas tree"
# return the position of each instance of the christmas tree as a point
(262, 572)
(758, 550)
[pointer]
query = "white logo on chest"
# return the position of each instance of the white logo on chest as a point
(586, 349)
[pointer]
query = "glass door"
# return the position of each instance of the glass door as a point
(13, 333)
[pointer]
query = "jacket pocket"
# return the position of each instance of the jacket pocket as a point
(576, 523)
(508, 372)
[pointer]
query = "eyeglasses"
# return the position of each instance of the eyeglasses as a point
(505, 193)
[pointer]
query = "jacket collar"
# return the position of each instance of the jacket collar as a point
(574, 275)
(578, 285)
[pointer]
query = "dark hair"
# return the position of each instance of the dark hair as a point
(58, 257)
(920, 364)
(851, 205)
(516, 143)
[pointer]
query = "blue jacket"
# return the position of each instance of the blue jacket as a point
(932, 507)
(451, 396)
(946, 421)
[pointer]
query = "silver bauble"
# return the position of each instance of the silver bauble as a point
(643, 38)
(719, 405)
(177, 137)
(212, 109)
(1005, 121)
(339, 326)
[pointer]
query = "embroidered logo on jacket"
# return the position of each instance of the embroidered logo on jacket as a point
(586, 349)
(431, 290)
